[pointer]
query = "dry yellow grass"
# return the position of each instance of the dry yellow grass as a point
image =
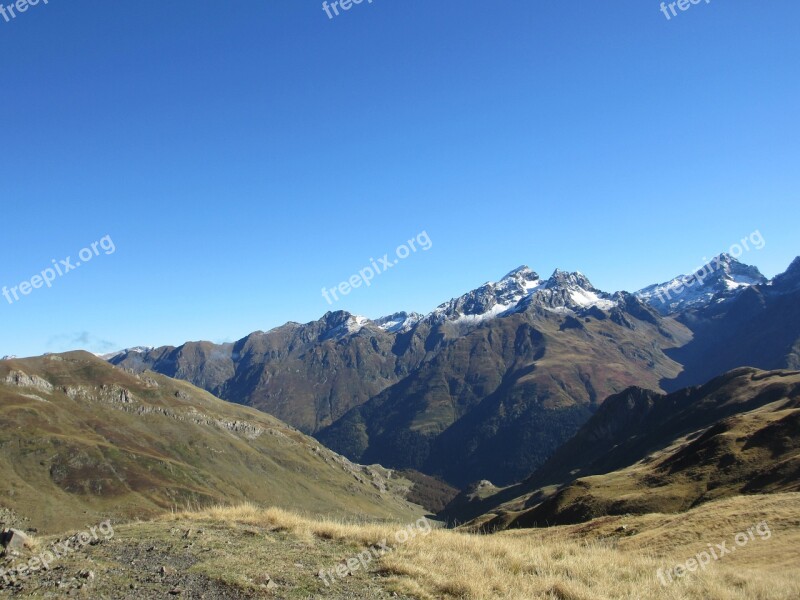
(583, 562)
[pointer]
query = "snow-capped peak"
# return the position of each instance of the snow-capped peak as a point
(489, 300)
(721, 277)
(516, 285)
(522, 272)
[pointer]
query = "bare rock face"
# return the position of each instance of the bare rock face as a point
(14, 540)
(20, 379)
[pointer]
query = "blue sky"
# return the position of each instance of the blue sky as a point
(243, 155)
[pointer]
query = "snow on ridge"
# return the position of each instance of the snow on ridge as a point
(136, 349)
(398, 322)
(498, 310)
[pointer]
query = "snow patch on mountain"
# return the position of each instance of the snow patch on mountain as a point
(587, 298)
(398, 322)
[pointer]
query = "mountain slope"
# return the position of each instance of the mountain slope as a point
(497, 400)
(307, 375)
(81, 439)
(647, 452)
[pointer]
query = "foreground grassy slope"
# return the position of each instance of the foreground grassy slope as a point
(237, 552)
(81, 440)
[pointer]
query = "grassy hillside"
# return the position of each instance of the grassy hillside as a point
(247, 552)
(644, 452)
(81, 440)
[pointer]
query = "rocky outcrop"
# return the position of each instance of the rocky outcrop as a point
(20, 379)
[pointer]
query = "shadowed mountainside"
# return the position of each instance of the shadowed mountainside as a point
(648, 452)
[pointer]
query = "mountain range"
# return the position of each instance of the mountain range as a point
(488, 385)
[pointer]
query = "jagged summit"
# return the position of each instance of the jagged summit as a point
(571, 291)
(736, 271)
(564, 291)
(720, 278)
(568, 292)
(565, 278)
(519, 289)
(521, 272)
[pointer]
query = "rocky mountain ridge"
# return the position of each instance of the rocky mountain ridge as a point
(496, 378)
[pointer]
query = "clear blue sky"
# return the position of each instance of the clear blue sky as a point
(242, 155)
